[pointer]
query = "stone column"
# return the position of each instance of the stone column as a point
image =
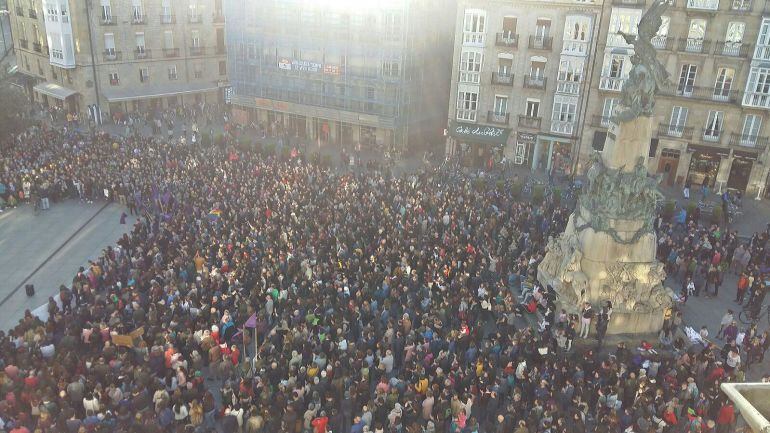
(723, 173)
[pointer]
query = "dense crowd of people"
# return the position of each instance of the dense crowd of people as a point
(273, 294)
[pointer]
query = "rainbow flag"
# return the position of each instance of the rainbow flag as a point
(215, 214)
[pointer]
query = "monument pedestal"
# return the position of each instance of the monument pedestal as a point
(607, 251)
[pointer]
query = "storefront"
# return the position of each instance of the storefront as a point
(668, 164)
(525, 145)
(478, 144)
(52, 94)
(740, 170)
(704, 164)
(552, 155)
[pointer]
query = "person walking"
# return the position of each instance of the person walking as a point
(602, 320)
(586, 314)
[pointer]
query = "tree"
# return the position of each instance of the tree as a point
(14, 107)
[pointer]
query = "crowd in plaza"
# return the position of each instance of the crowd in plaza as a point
(379, 303)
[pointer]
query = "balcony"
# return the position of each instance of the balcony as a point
(167, 19)
(218, 18)
(541, 43)
(535, 82)
(600, 121)
(171, 52)
(756, 99)
(32, 13)
(498, 118)
(704, 5)
(114, 81)
(675, 131)
(740, 5)
(752, 141)
(142, 53)
(112, 55)
(502, 79)
(695, 46)
(631, 3)
(732, 49)
(564, 127)
(567, 86)
(109, 20)
(702, 93)
(507, 40)
(530, 121)
(19, 11)
(663, 43)
(194, 18)
(37, 46)
(138, 19)
(23, 43)
(712, 136)
(613, 84)
(197, 51)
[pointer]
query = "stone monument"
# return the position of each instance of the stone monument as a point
(607, 251)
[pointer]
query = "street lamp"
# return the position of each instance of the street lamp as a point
(2, 30)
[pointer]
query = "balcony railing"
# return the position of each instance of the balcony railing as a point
(663, 42)
(19, 11)
(142, 53)
(600, 121)
(498, 118)
(502, 79)
(138, 19)
(112, 55)
(565, 127)
(167, 19)
(567, 86)
(702, 93)
(197, 51)
(740, 5)
(614, 84)
(24, 43)
(109, 20)
(708, 5)
(535, 82)
(712, 135)
(628, 2)
(508, 40)
(753, 141)
(732, 49)
(194, 18)
(529, 121)
(32, 13)
(541, 43)
(675, 131)
(697, 46)
(218, 18)
(114, 81)
(171, 52)
(756, 99)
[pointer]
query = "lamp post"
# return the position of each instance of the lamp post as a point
(3, 13)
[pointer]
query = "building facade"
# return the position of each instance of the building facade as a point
(120, 55)
(519, 81)
(329, 72)
(710, 120)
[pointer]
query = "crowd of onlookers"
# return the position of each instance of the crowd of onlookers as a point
(262, 293)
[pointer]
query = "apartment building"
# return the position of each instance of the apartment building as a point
(519, 80)
(710, 121)
(120, 55)
(342, 72)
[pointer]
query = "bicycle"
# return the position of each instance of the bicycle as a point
(747, 317)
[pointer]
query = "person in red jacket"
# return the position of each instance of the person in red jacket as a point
(726, 417)
(319, 424)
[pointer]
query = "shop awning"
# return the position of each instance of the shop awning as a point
(157, 91)
(54, 90)
(479, 133)
(708, 149)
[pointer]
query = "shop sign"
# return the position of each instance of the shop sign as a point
(483, 133)
(331, 69)
(305, 66)
(520, 157)
(284, 64)
(525, 137)
(228, 93)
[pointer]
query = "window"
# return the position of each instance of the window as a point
(222, 67)
(137, 11)
(166, 14)
(678, 121)
(759, 81)
(509, 27)
(56, 46)
(533, 108)
(537, 68)
(608, 109)
(392, 26)
(195, 38)
(724, 84)
(501, 105)
(713, 125)
(198, 70)
(168, 39)
(563, 110)
(64, 10)
(505, 67)
(614, 66)
(697, 29)
(390, 69)
(542, 28)
(52, 13)
(687, 80)
(114, 80)
(106, 11)
(140, 46)
(735, 32)
(474, 26)
(172, 72)
(109, 45)
(600, 137)
(467, 103)
(571, 70)
(751, 125)
(144, 74)
(663, 29)
(470, 67)
(577, 28)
